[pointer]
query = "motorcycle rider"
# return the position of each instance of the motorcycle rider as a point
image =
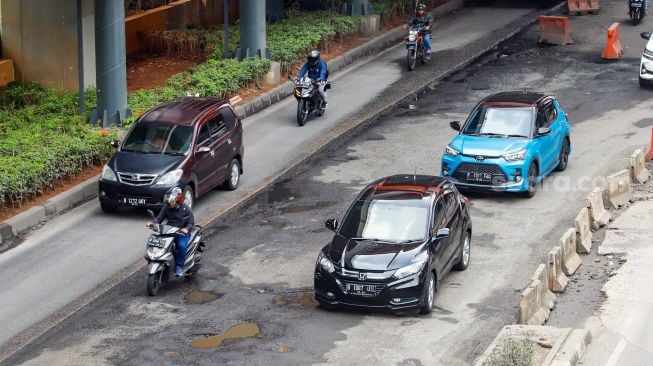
(317, 71)
(422, 19)
(178, 215)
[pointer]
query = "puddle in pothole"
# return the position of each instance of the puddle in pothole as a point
(201, 297)
(299, 208)
(238, 331)
(304, 299)
(279, 193)
(282, 349)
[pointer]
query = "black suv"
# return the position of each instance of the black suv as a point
(192, 143)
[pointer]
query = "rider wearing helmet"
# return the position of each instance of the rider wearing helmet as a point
(178, 215)
(425, 20)
(317, 71)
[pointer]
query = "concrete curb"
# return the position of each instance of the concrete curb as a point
(36, 215)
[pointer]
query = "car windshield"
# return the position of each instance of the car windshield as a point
(392, 220)
(159, 138)
(500, 121)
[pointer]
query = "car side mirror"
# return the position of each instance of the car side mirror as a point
(646, 35)
(442, 233)
(331, 224)
(455, 125)
(543, 131)
(115, 143)
(203, 150)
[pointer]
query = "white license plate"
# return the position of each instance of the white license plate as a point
(135, 201)
(356, 289)
(636, 5)
(479, 177)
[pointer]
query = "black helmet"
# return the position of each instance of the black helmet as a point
(313, 57)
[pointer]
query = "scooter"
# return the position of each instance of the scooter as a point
(160, 254)
(308, 99)
(415, 47)
(636, 11)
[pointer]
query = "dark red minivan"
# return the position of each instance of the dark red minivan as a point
(192, 143)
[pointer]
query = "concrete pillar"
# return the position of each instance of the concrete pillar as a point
(252, 30)
(357, 8)
(110, 63)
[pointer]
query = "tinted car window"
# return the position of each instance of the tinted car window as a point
(158, 138)
(217, 127)
(439, 215)
(204, 137)
(502, 121)
(393, 220)
(229, 117)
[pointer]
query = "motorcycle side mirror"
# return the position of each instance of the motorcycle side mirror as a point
(646, 35)
(543, 131)
(115, 143)
(455, 125)
(331, 224)
(149, 212)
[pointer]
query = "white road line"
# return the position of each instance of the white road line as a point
(616, 355)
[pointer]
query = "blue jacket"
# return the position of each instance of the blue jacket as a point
(318, 71)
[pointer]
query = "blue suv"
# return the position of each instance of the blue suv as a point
(509, 143)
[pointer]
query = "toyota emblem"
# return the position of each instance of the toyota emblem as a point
(480, 157)
(362, 276)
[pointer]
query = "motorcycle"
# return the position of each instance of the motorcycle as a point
(160, 254)
(415, 47)
(308, 99)
(636, 11)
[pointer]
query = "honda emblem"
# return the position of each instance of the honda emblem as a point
(362, 276)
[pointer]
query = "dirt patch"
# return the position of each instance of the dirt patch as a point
(86, 174)
(148, 72)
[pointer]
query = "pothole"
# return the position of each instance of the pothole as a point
(282, 349)
(304, 299)
(299, 209)
(201, 297)
(238, 331)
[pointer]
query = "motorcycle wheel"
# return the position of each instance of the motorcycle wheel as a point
(411, 60)
(154, 283)
(635, 16)
(302, 112)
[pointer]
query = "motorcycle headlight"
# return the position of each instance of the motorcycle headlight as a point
(451, 151)
(108, 174)
(515, 156)
(409, 270)
(170, 178)
(325, 263)
(411, 37)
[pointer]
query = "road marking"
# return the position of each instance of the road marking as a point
(616, 355)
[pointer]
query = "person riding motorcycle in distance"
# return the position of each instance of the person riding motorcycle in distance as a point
(317, 71)
(178, 215)
(422, 19)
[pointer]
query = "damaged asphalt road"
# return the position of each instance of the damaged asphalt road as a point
(251, 302)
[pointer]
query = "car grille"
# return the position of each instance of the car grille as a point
(134, 179)
(498, 176)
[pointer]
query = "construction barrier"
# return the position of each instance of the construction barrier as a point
(583, 232)
(649, 153)
(582, 7)
(555, 30)
(619, 192)
(536, 301)
(638, 171)
(557, 279)
(570, 259)
(598, 214)
(613, 49)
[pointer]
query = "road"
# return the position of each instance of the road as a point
(258, 266)
(72, 255)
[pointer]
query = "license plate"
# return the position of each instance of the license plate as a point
(134, 201)
(479, 177)
(363, 290)
(636, 5)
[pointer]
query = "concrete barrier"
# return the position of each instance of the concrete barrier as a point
(555, 30)
(536, 301)
(570, 259)
(583, 232)
(598, 214)
(557, 279)
(619, 192)
(638, 171)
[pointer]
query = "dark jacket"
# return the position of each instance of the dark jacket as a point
(181, 217)
(423, 21)
(315, 72)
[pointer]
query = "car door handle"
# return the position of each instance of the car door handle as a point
(212, 153)
(229, 141)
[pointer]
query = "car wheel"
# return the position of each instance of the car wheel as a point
(564, 156)
(428, 294)
(465, 253)
(234, 175)
(532, 181)
(108, 208)
(189, 196)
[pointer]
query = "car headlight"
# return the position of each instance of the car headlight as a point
(518, 155)
(108, 174)
(648, 52)
(325, 263)
(409, 270)
(451, 151)
(170, 178)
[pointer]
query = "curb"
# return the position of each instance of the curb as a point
(345, 129)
